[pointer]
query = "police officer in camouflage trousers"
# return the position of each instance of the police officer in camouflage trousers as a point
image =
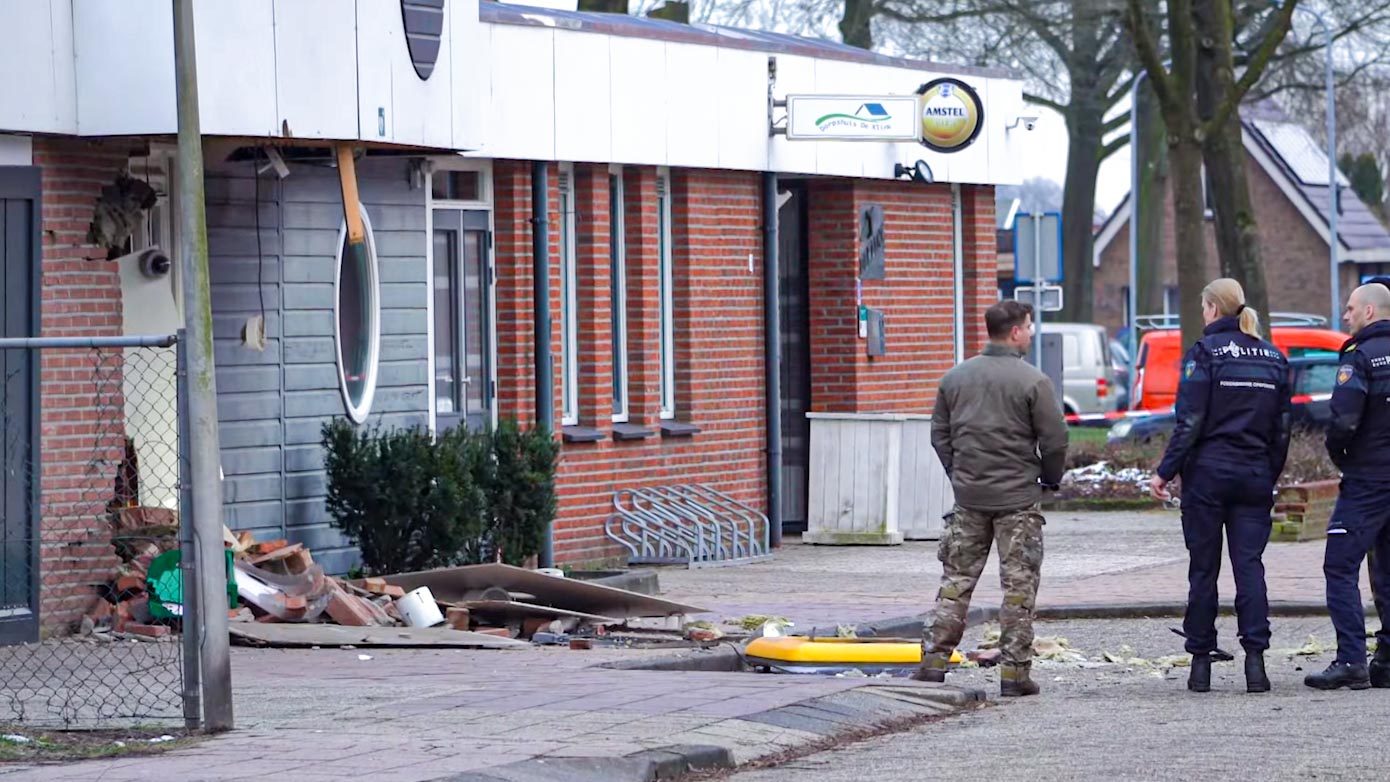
(1229, 443)
(1358, 440)
(999, 431)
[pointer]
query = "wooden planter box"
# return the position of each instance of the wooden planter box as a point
(874, 480)
(1303, 510)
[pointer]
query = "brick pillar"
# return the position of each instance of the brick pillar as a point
(82, 401)
(643, 245)
(834, 267)
(595, 311)
(516, 376)
(981, 263)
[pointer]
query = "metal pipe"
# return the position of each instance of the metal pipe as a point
(772, 357)
(1333, 237)
(1038, 292)
(1333, 240)
(203, 440)
(540, 309)
(48, 343)
(958, 259)
(1134, 233)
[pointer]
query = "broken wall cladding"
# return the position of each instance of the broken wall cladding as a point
(273, 403)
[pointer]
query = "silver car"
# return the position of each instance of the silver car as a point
(1088, 377)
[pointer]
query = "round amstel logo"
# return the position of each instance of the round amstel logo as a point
(951, 114)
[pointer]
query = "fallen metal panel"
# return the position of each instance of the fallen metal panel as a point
(511, 608)
(450, 584)
(288, 635)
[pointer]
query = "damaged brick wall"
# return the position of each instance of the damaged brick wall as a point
(82, 444)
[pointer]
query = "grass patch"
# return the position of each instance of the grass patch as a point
(19, 744)
(1087, 435)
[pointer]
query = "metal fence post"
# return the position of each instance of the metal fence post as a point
(192, 616)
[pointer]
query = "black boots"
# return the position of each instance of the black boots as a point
(932, 669)
(1199, 678)
(1340, 674)
(1380, 667)
(1015, 680)
(1255, 678)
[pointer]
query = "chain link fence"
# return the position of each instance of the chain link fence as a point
(90, 481)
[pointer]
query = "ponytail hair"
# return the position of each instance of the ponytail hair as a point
(1228, 298)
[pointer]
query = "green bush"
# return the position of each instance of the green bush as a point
(520, 483)
(410, 501)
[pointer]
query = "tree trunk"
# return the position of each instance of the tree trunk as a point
(1084, 127)
(1151, 202)
(1185, 157)
(1223, 150)
(856, 25)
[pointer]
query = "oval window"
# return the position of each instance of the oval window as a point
(358, 323)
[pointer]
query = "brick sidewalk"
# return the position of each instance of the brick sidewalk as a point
(423, 714)
(1092, 559)
(412, 715)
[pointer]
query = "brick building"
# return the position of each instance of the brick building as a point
(653, 140)
(1287, 172)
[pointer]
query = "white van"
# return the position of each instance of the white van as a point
(1088, 381)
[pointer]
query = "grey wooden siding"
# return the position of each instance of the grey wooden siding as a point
(272, 404)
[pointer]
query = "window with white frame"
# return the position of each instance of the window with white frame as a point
(569, 299)
(667, 279)
(617, 270)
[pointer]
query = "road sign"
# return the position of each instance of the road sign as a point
(1038, 247)
(1051, 297)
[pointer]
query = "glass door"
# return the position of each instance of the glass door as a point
(464, 391)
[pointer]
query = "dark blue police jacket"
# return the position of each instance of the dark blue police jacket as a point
(1358, 439)
(1233, 403)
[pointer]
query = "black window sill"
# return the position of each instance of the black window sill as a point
(678, 429)
(631, 432)
(581, 434)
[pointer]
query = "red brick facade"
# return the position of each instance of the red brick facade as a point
(718, 326)
(81, 391)
(916, 295)
(1295, 257)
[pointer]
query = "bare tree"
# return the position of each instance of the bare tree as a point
(1191, 27)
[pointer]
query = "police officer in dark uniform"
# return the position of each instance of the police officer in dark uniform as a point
(1358, 440)
(1229, 445)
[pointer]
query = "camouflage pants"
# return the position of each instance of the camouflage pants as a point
(964, 547)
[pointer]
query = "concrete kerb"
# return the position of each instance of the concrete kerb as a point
(876, 707)
(646, 766)
(912, 626)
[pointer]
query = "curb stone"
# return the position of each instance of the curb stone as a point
(912, 626)
(827, 717)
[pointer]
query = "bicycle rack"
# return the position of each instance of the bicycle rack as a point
(689, 524)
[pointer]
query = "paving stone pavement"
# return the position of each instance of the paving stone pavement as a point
(1091, 559)
(436, 714)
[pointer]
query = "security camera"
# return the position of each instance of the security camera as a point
(154, 263)
(1028, 123)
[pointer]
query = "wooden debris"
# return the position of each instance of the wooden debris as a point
(277, 554)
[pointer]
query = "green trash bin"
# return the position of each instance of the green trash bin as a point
(165, 585)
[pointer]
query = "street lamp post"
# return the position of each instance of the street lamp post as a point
(1333, 238)
(1134, 231)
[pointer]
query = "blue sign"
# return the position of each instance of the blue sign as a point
(1038, 240)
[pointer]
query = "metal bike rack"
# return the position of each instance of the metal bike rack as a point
(689, 524)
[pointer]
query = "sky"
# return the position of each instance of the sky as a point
(1050, 136)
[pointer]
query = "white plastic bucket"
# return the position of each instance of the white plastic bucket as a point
(418, 608)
